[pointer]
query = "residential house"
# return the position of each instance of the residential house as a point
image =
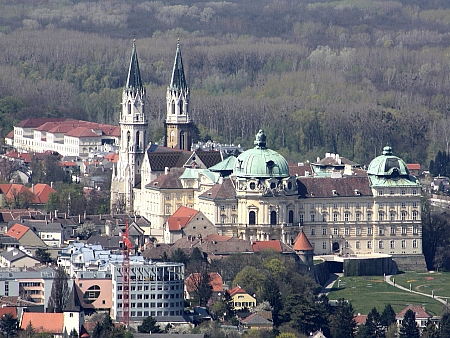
(187, 222)
(192, 281)
(256, 322)
(241, 299)
(25, 236)
(15, 258)
(421, 315)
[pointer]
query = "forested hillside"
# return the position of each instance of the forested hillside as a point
(320, 76)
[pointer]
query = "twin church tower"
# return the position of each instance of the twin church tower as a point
(179, 129)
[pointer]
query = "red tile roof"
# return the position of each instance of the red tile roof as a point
(180, 218)
(302, 243)
(418, 311)
(42, 193)
(36, 122)
(17, 231)
(44, 322)
(10, 135)
(8, 309)
(82, 132)
(216, 281)
(413, 166)
(267, 245)
(113, 157)
(216, 238)
(237, 289)
(360, 319)
(299, 170)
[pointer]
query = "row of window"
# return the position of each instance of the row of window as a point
(153, 296)
(391, 192)
(152, 305)
(369, 244)
(152, 313)
(369, 231)
(357, 205)
(358, 217)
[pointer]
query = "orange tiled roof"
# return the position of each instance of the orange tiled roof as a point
(180, 218)
(8, 309)
(17, 231)
(413, 166)
(113, 157)
(418, 311)
(44, 322)
(237, 289)
(41, 193)
(302, 243)
(216, 281)
(267, 245)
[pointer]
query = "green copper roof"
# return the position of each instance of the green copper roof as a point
(134, 81)
(225, 165)
(388, 165)
(381, 181)
(191, 173)
(261, 162)
(178, 80)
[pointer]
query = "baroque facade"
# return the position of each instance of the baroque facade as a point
(254, 196)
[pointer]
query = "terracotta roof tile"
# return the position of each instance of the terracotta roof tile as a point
(42, 193)
(413, 166)
(8, 309)
(215, 281)
(17, 231)
(36, 122)
(299, 170)
(237, 289)
(209, 157)
(302, 243)
(266, 245)
(418, 311)
(169, 181)
(180, 218)
(82, 132)
(44, 322)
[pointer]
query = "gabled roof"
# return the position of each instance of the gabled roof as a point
(17, 231)
(42, 193)
(221, 191)
(83, 132)
(15, 255)
(225, 165)
(209, 157)
(300, 169)
(167, 181)
(159, 160)
(180, 218)
(12, 189)
(112, 157)
(236, 290)
(418, 311)
(256, 319)
(302, 243)
(36, 122)
(215, 278)
(44, 322)
(8, 309)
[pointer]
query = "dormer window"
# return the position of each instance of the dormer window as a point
(334, 192)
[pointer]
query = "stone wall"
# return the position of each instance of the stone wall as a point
(410, 262)
(370, 267)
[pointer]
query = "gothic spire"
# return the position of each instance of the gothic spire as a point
(134, 81)
(178, 80)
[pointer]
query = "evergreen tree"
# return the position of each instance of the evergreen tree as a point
(373, 327)
(149, 326)
(409, 328)
(444, 325)
(73, 334)
(60, 291)
(272, 294)
(43, 256)
(30, 331)
(430, 331)
(387, 316)
(9, 326)
(343, 324)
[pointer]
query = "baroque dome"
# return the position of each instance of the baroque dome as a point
(388, 165)
(261, 162)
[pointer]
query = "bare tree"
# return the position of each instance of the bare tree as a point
(60, 291)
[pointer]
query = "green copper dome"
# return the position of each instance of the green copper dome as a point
(261, 162)
(388, 165)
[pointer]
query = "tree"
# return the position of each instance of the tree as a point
(200, 282)
(373, 327)
(387, 316)
(43, 256)
(19, 198)
(179, 256)
(60, 291)
(250, 279)
(444, 325)
(409, 328)
(9, 325)
(148, 326)
(430, 331)
(343, 324)
(29, 330)
(73, 334)
(86, 230)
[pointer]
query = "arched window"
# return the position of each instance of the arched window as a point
(129, 107)
(181, 107)
(273, 217)
(182, 140)
(291, 216)
(251, 218)
(128, 140)
(173, 107)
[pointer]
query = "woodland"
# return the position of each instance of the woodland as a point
(347, 77)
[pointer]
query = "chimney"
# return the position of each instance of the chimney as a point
(166, 170)
(79, 219)
(220, 180)
(56, 214)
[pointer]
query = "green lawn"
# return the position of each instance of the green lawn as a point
(439, 282)
(367, 292)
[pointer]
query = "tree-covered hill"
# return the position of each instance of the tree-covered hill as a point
(320, 76)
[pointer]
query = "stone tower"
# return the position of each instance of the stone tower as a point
(305, 254)
(180, 128)
(133, 140)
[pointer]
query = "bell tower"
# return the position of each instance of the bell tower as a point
(179, 127)
(133, 123)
